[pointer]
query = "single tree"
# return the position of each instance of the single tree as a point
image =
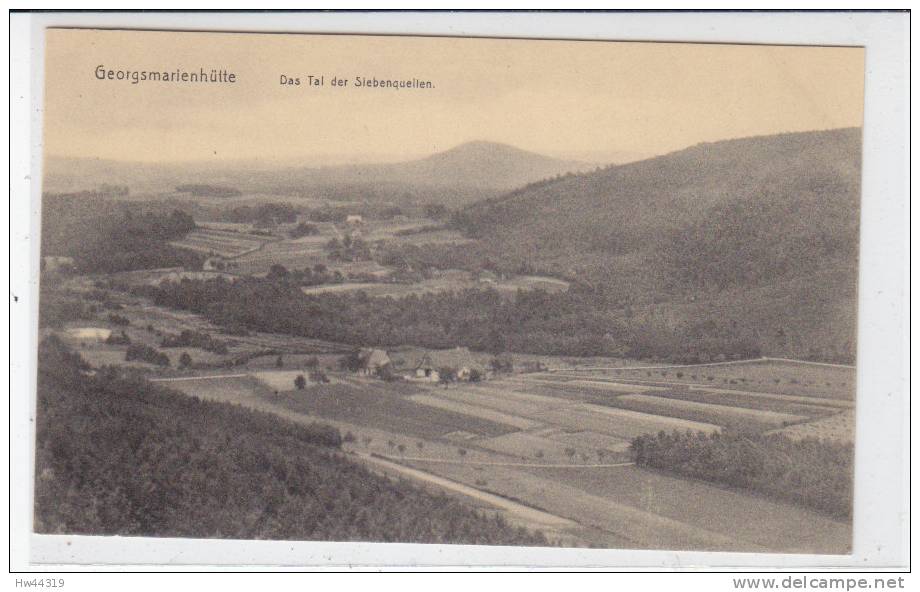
(446, 375)
(300, 382)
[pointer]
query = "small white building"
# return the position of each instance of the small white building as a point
(459, 359)
(97, 334)
(354, 220)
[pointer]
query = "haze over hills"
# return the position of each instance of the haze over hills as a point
(749, 244)
(761, 230)
(485, 165)
(471, 171)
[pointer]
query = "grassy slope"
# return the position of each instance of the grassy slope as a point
(116, 455)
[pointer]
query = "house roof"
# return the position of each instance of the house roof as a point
(374, 358)
(456, 358)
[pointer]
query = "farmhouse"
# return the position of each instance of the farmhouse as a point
(373, 361)
(55, 263)
(429, 366)
(354, 220)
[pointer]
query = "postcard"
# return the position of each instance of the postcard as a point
(477, 291)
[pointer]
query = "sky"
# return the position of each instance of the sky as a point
(562, 98)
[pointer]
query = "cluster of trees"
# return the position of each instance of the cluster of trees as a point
(121, 338)
(315, 276)
(814, 473)
(104, 236)
(303, 229)
(263, 215)
(119, 320)
(144, 353)
(427, 257)
(202, 190)
(57, 308)
(118, 455)
(190, 338)
(348, 249)
(339, 214)
(316, 375)
(578, 322)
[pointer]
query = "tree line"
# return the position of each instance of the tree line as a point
(105, 236)
(578, 322)
(817, 474)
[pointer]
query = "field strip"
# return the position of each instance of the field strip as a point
(612, 386)
(644, 527)
(503, 402)
(488, 401)
(478, 463)
(672, 422)
(496, 390)
(729, 363)
(520, 510)
(695, 386)
(662, 405)
(513, 421)
(819, 401)
(183, 378)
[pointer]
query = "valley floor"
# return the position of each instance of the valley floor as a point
(561, 468)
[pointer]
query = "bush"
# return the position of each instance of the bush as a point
(145, 353)
(119, 320)
(303, 229)
(189, 338)
(318, 376)
(118, 339)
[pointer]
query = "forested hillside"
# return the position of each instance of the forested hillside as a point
(116, 454)
(761, 233)
(104, 236)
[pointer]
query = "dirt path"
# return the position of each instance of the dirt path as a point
(204, 377)
(530, 515)
(505, 464)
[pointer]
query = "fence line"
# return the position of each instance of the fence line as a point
(500, 464)
(181, 378)
(728, 363)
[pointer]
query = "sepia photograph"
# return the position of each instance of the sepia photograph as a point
(448, 290)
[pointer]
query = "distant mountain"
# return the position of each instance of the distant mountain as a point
(468, 172)
(764, 227)
(486, 165)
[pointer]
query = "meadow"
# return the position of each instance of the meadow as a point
(765, 375)
(224, 243)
